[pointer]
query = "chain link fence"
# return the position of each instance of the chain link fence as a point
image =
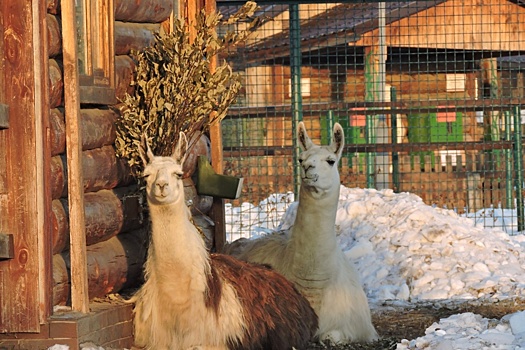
(429, 94)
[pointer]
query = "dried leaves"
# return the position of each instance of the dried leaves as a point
(176, 89)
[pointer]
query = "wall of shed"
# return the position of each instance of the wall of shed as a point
(116, 230)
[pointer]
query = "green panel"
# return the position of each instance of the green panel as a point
(446, 132)
(419, 132)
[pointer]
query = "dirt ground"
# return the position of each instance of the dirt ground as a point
(396, 321)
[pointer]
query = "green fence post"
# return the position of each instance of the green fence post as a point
(395, 155)
(508, 164)
(297, 100)
(518, 168)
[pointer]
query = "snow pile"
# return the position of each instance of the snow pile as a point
(250, 220)
(407, 250)
(469, 331)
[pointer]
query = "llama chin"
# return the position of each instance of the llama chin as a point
(308, 254)
(195, 300)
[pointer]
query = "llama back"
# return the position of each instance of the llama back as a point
(276, 315)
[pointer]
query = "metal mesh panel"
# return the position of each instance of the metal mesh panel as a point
(428, 93)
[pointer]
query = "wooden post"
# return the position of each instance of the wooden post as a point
(489, 75)
(79, 279)
(217, 210)
(474, 194)
(43, 157)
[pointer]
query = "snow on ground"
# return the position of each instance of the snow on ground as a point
(406, 250)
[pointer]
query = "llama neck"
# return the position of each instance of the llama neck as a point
(315, 220)
(175, 239)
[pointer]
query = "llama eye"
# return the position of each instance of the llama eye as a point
(178, 175)
(330, 162)
(300, 161)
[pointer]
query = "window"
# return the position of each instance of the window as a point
(96, 57)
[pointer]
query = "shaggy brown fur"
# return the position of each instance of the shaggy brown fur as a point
(272, 301)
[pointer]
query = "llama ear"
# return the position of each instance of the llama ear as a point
(145, 155)
(179, 153)
(304, 140)
(338, 140)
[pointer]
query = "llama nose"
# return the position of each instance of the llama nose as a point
(308, 166)
(161, 185)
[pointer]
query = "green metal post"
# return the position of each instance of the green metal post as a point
(508, 163)
(330, 123)
(518, 169)
(395, 155)
(370, 96)
(297, 100)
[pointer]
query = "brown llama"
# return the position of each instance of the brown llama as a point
(195, 300)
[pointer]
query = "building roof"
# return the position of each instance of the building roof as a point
(344, 26)
(338, 25)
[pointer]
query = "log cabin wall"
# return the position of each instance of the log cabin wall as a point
(116, 233)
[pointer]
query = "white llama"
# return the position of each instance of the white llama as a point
(194, 300)
(308, 253)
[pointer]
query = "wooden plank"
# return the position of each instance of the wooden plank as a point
(19, 305)
(43, 157)
(79, 279)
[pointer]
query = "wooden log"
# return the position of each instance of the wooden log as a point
(54, 37)
(133, 36)
(104, 216)
(56, 84)
(131, 198)
(58, 131)
(206, 226)
(100, 169)
(143, 11)
(53, 6)
(112, 265)
(98, 128)
(58, 177)
(124, 71)
(61, 283)
(199, 204)
(60, 227)
(115, 264)
(127, 216)
(200, 146)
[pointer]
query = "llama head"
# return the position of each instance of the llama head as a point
(164, 174)
(318, 164)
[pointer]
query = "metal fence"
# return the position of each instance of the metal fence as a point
(429, 94)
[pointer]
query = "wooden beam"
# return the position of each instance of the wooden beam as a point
(43, 194)
(19, 277)
(217, 210)
(79, 279)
